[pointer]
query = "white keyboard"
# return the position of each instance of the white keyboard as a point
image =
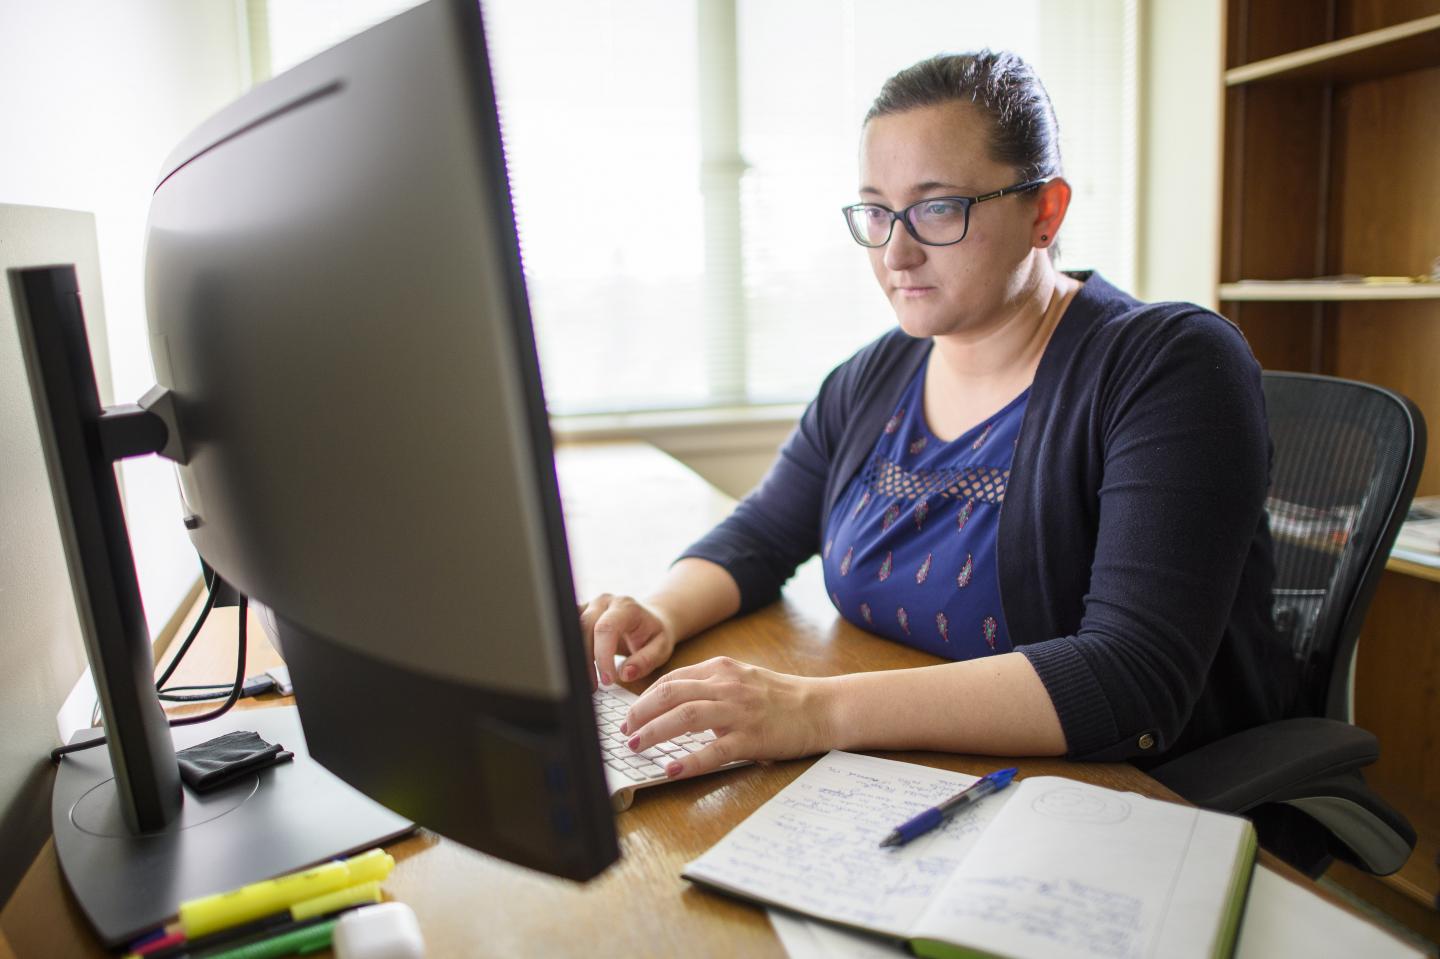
(627, 771)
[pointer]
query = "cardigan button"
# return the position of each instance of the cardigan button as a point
(1146, 741)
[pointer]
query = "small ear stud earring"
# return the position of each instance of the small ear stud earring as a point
(1044, 237)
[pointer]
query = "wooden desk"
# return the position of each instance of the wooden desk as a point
(470, 904)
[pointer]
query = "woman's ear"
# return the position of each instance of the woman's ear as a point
(1052, 201)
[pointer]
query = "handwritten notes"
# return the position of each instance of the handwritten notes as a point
(1065, 914)
(816, 846)
(1049, 867)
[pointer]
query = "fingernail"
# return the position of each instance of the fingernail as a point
(605, 678)
(628, 672)
(634, 744)
(672, 770)
(624, 727)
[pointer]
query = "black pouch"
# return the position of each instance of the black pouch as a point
(218, 761)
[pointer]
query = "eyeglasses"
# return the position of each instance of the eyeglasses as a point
(936, 221)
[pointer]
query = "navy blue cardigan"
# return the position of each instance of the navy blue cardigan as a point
(1134, 555)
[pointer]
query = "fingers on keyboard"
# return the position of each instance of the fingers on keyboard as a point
(648, 764)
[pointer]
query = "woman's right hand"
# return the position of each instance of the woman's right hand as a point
(622, 624)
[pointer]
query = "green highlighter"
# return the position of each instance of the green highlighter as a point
(298, 942)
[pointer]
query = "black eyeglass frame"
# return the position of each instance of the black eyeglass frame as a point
(903, 216)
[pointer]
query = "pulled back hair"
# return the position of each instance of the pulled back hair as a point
(1024, 132)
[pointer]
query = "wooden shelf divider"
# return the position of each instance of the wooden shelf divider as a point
(1294, 291)
(1419, 570)
(1406, 46)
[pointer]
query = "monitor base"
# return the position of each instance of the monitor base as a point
(273, 821)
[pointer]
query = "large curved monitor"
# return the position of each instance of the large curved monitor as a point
(336, 303)
(337, 311)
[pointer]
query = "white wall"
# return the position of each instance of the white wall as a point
(93, 95)
(40, 644)
(1181, 113)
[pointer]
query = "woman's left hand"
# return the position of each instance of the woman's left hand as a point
(755, 713)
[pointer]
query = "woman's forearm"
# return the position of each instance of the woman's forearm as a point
(694, 595)
(996, 706)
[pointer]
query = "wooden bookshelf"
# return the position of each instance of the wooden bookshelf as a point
(1331, 147)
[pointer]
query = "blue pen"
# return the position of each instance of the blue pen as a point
(935, 815)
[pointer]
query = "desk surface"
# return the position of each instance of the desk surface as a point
(470, 904)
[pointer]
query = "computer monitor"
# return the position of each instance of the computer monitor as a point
(349, 384)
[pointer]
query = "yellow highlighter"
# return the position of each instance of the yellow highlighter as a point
(363, 894)
(200, 917)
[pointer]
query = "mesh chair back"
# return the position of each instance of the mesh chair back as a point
(1347, 457)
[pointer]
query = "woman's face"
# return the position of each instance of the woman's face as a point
(935, 151)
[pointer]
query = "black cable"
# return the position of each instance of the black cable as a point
(234, 696)
(169, 696)
(254, 686)
(194, 631)
(59, 751)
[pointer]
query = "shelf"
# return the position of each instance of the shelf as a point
(1407, 46)
(1397, 564)
(1308, 290)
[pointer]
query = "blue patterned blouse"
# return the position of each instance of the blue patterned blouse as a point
(910, 547)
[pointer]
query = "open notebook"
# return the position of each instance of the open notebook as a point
(1049, 867)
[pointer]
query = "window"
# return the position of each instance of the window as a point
(678, 170)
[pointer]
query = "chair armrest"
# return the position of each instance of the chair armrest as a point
(1267, 763)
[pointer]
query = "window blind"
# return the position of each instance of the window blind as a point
(678, 167)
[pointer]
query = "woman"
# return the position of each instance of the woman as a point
(1116, 608)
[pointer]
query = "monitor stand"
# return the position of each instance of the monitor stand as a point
(277, 820)
(133, 846)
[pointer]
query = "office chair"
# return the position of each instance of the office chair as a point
(1347, 457)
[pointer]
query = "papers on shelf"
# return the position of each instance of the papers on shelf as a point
(1411, 556)
(1329, 529)
(1421, 531)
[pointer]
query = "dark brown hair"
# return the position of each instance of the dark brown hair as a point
(1024, 132)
